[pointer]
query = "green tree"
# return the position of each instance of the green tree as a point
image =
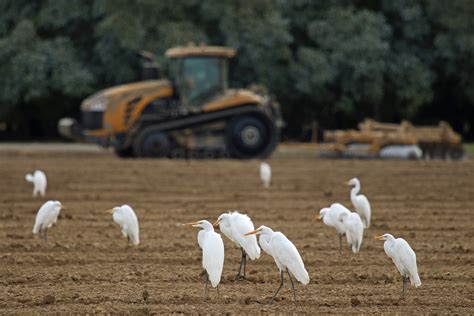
(342, 73)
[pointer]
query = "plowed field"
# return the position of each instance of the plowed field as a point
(87, 266)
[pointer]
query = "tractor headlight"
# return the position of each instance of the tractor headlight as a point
(99, 105)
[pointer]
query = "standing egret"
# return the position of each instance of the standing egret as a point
(286, 257)
(331, 216)
(265, 174)
(38, 178)
(212, 253)
(360, 202)
(234, 225)
(404, 258)
(47, 216)
(126, 218)
(354, 230)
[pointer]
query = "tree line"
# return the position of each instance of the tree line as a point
(333, 62)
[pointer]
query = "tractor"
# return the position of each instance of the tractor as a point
(190, 114)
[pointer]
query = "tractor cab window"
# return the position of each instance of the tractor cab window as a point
(203, 78)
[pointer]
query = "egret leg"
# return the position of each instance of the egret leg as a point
(205, 289)
(242, 260)
(292, 284)
(340, 244)
(245, 262)
(279, 288)
(45, 236)
(218, 294)
(403, 286)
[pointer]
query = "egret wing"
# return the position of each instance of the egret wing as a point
(45, 217)
(285, 252)
(133, 231)
(40, 219)
(354, 231)
(242, 224)
(213, 257)
(407, 259)
(126, 218)
(334, 217)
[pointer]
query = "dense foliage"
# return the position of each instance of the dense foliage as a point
(331, 61)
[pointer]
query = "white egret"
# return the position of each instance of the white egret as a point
(404, 258)
(360, 202)
(285, 254)
(47, 216)
(234, 225)
(265, 174)
(212, 252)
(331, 216)
(126, 218)
(354, 230)
(38, 178)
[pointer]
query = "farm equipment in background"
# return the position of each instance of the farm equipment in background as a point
(191, 114)
(386, 140)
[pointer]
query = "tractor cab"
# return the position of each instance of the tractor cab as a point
(198, 73)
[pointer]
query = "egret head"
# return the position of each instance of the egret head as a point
(353, 182)
(113, 210)
(224, 218)
(58, 205)
(201, 224)
(264, 230)
(384, 237)
(322, 213)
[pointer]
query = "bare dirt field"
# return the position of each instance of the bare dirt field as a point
(88, 267)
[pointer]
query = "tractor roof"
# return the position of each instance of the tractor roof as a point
(201, 50)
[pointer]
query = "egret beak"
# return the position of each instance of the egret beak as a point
(319, 218)
(347, 183)
(378, 237)
(191, 224)
(216, 223)
(62, 208)
(252, 232)
(111, 211)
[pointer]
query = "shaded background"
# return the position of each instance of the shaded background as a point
(333, 62)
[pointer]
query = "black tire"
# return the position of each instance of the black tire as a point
(456, 153)
(178, 153)
(150, 142)
(251, 137)
(124, 152)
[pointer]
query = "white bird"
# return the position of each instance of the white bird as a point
(126, 218)
(38, 178)
(354, 230)
(212, 253)
(285, 254)
(47, 216)
(265, 174)
(234, 225)
(404, 258)
(331, 216)
(360, 202)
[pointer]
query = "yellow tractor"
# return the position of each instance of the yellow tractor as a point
(193, 113)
